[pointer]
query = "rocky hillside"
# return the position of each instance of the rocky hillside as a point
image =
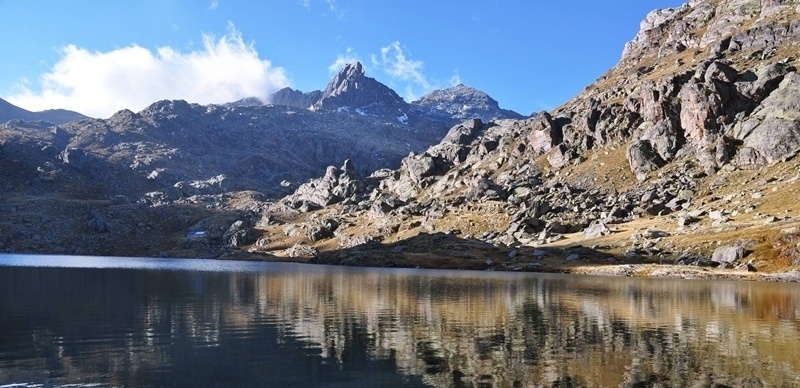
(9, 112)
(683, 153)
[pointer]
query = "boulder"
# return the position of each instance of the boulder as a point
(544, 134)
(643, 158)
(560, 156)
(596, 229)
(728, 254)
(237, 235)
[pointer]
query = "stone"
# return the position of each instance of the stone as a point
(642, 159)
(595, 230)
(237, 235)
(728, 254)
(773, 129)
(544, 133)
(559, 156)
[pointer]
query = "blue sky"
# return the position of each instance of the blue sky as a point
(97, 57)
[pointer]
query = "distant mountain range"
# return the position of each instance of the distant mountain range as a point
(352, 91)
(9, 111)
(182, 149)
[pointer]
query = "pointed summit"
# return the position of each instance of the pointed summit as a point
(351, 90)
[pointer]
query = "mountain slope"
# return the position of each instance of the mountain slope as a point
(684, 153)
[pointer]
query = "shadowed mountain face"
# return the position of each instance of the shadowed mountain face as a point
(9, 111)
(179, 149)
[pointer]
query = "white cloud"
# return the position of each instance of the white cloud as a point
(214, 4)
(100, 83)
(395, 63)
(455, 79)
(348, 57)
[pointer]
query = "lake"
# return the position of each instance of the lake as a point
(96, 322)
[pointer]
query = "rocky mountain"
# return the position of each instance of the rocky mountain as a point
(684, 153)
(463, 102)
(9, 112)
(295, 98)
(176, 155)
(351, 91)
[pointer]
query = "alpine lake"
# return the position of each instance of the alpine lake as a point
(139, 322)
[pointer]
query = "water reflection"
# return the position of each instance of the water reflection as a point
(291, 325)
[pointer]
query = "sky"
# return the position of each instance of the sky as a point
(98, 56)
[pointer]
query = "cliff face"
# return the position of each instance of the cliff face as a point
(713, 79)
(688, 143)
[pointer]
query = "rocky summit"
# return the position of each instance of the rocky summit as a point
(680, 161)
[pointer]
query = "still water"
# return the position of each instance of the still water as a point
(93, 321)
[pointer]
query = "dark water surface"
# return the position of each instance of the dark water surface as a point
(93, 321)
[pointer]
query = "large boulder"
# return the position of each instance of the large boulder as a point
(643, 158)
(728, 254)
(544, 134)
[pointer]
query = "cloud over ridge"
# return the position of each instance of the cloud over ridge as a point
(100, 83)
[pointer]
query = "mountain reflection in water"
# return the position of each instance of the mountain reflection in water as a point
(268, 324)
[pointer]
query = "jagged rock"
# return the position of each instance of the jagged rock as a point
(544, 133)
(759, 84)
(419, 166)
(351, 90)
(662, 137)
(484, 189)
(772, 131)
(335, 186)
(322, 230)
(300, 250)
(700, 108)
(348, 241)
(237, 235)
(560, 156)
(642, 158)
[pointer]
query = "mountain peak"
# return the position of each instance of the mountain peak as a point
(352, 90)
(352, 70)
(465, 102)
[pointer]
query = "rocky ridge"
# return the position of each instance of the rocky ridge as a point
(56, 116)
(682, 153)
(353, 92)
